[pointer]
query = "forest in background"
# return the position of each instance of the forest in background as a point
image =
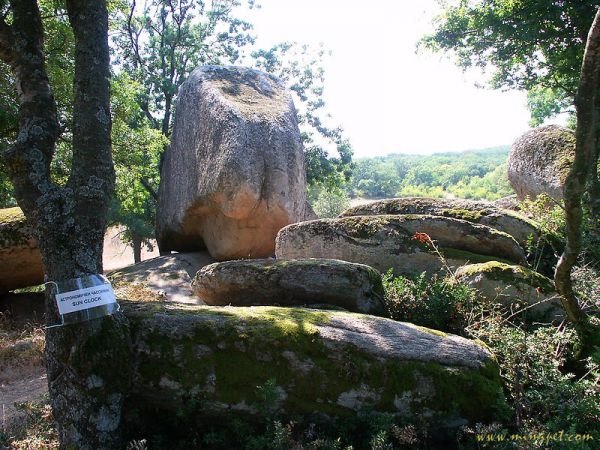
(478, 174)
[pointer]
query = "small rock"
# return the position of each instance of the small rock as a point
(20, 258)
(516, 287)
(354, 287)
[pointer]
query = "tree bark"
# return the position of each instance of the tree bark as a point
(69, 222)
(583, 170)
(136, 242)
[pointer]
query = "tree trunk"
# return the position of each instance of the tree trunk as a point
(136, 242)
(86, 390)
(586, 160)
(167, 118)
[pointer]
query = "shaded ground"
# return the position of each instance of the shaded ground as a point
(22, 371)
(32, 386)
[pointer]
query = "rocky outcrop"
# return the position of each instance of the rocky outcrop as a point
(165, 278)
(234, 173)
(216, 363)
(354, 287)
(510, 202)
(544, 247)
(392, 241)
(516, 287)
(20, 258)
(539, 161)
(480, 212)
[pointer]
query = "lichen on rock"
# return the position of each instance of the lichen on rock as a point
(212, 359)
(515, 287)
(539, 161)
(355, 287)
(388, 241)
(234, 172)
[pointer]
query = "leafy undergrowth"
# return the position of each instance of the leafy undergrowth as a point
(555, 395)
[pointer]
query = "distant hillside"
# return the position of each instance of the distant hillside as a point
(477, 174)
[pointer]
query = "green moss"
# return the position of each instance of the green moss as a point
(364, 227)
(509, 273)
(432, 331)
(243, 348)
(13, 228)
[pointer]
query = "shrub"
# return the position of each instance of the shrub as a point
(329, 204)
(547, 398)
(435, 302)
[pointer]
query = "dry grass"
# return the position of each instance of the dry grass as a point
(29, 424)
(135, 291)
(21, 348)
(35, 431)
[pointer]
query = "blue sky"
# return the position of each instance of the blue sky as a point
(388, 98)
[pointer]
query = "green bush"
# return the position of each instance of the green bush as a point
(547, 398)
(433, 302)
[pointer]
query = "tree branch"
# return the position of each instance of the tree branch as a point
(92, 176)
(132, 33)
(28, 161)
(585, 161)
(149, 188)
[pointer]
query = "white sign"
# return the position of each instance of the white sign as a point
(87, 298)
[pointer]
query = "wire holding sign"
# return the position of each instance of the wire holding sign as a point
(84, 298)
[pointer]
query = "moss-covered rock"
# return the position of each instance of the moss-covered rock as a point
(195, 362)
(386, 241)
(526, 232)
(539, 161)
(480, 212)
(20, 259)
(248, 282)
(516, 287)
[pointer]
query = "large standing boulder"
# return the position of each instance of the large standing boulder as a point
(392, 241)
(354, 287)
(234, 173)
(20, 258)
(516, 287)
(216, 363)
(539, 161)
